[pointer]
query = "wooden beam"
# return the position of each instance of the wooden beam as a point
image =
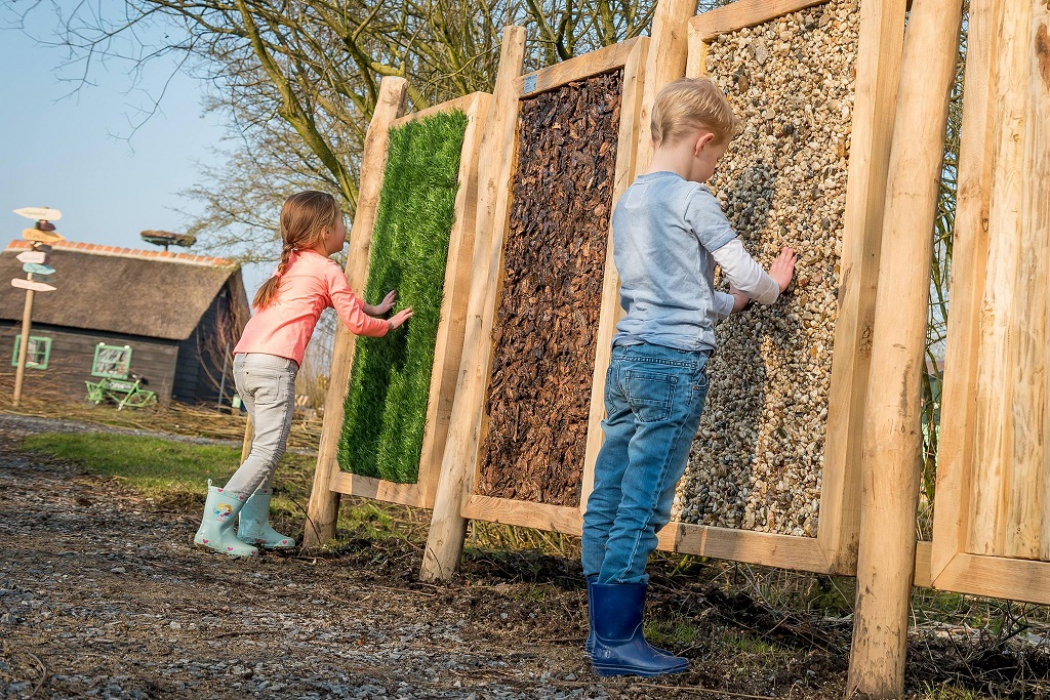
(463, 104)
(668, 49)
(597, 62)
(879, 48)
(893, 441)
(378, 489)
(1017, 579)
(448, 527)
(507, 511)
(744, 13)
(448, 348)
(323, 510)
(763, 548)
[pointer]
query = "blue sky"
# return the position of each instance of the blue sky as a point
(71, 152)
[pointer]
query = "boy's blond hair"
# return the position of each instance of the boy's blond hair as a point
(692, 103)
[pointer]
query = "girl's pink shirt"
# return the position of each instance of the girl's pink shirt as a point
(310, 284)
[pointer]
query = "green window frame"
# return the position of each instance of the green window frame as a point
(113, 361)
(37, 354)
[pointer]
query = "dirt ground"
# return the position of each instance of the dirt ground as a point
(102, 595)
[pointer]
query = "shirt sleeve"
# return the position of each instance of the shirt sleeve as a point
(704, 216)
(745, 274)
(351, 309)
(723, 304)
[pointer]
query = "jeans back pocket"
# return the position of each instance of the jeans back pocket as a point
(651, 394)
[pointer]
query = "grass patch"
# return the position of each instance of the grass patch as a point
(386, 406)
(169, 471)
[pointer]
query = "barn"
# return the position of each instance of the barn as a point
(170, 317)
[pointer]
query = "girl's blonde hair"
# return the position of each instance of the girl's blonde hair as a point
(688, 104)
(305, 219)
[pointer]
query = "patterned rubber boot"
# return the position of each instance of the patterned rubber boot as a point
(254, 526)
(216, 530)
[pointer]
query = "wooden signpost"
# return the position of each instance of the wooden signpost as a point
(40, 275)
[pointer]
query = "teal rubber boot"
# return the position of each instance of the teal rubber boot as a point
(254, 526)
(216, 530)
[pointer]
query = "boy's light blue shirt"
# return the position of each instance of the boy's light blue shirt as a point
(664, 230)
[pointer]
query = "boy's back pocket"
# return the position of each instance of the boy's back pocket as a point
(650, 394)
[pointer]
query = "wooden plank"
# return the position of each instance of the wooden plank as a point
(541, 516)
(324, 503)
(448, 526)
(665, 62)
(589, 64)
(449, 345)
(627, 148)
(463, 104)
(378, 489)
(993, 430)
(766, 549)
(745, 13)
(1024, 497)
(1019, 579)
(955, 456)
(880, 43)
(892, 445)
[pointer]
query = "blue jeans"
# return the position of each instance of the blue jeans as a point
(654, 397)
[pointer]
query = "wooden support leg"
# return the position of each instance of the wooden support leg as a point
(448, 526)
(893, 443)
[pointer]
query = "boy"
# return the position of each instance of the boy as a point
(668, 234)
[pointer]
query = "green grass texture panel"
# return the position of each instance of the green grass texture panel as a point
(386, 406)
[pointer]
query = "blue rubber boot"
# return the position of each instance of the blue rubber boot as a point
(254, 524)
(620, 648)
(216, 530)
(589, 646)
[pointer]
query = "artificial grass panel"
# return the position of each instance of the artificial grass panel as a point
(386, 406)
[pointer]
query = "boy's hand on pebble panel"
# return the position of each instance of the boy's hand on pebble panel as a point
(398, 319)
(783, 268)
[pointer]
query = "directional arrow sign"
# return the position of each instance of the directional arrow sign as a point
(38, 269)
(35, 286)
(39, 213)
(46, 279)
(32, 234)
(37, 257)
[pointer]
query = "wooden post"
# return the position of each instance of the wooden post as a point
(23, 347)
(668, 51)
(893, 443)
(323, 510)
(448, 526)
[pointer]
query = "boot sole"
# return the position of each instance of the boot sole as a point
(201, 545)
(607, 671)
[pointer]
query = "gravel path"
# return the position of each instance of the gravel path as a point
(101, 596)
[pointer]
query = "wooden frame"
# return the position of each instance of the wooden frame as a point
(1002, 226)
(630, 56)
(330, 480)
(834, 549)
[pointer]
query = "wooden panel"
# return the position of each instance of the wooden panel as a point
(784, 551)
(881, 37)
(744, 13)
(951, 514)
(585, 66)
(526, 514)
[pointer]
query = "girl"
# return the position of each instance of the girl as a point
(267, 358)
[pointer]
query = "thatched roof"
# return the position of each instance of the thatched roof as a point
(135, 292)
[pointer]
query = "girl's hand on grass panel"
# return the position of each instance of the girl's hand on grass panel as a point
(387, 303)
(398, 319)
